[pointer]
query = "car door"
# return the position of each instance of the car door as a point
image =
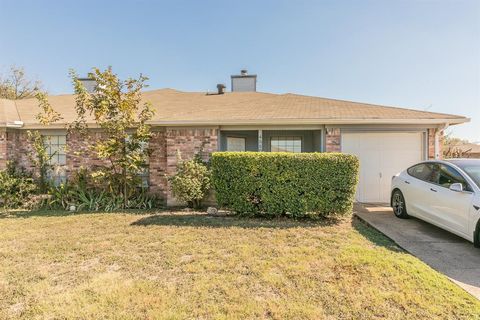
(451, 208)
(416, 189)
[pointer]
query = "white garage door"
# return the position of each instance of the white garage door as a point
(382, 155)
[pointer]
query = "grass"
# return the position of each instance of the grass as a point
(172, 265)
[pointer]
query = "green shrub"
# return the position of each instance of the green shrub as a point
(273, 184)
(191, 182)
(16, 187)
(85, 193)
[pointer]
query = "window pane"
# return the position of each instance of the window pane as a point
(62, 159)
(235, 144)
(422, 171)
(55, 147)
(448, 176)
(286, 144)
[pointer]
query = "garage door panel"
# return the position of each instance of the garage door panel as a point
(381, 155)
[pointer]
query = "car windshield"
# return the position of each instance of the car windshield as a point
(473, 171)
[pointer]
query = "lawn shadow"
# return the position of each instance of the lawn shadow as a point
(374, 236)
(24, 214)
(231, 221)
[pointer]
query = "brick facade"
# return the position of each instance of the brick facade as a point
(431, 144)
(79, 153)
(164, 145)
(187, 142)
(18, 148)
(158, 164)
(333, 140)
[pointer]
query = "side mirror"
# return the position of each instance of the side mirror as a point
(457, 187)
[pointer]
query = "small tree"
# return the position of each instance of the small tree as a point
(16, 85)
(40, 158)
(191, 182)
(116, 108)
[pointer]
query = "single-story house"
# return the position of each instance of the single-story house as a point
(386, 139)
(463, 150)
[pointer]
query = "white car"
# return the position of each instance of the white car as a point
(444, 193)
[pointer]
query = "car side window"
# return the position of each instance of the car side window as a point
(422, 171)
(448, 175)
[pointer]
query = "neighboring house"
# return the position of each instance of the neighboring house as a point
(463, 150)
(386, 139)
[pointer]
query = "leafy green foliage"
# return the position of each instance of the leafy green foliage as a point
(115, 108)
(273, 184)
(84, 193)
(16, 187)
(191, 183)
(40, 158)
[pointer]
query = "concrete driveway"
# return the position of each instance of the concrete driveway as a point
(441, 250)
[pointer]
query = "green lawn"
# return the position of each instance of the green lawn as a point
(184, 265)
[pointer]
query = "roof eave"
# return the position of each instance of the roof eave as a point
(452, 121)
(446, 121)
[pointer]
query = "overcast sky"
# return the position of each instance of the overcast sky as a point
(417, 54)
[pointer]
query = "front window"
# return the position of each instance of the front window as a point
(235, 144)
(55, 146)
(286, 144)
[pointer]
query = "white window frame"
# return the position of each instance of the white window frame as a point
(293, 139)
(56, 145)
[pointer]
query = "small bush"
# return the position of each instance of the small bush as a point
(16, 187)
(273, 184)
(191, 183)
(83, 191)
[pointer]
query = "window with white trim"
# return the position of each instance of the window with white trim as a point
(55, 146)
(235, 144)
(286, 144)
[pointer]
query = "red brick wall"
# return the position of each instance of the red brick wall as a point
(431, 144)
(188, 142)
(79, 153)
(19, 148)
(333, 140)
(164, 145)
(158, 164)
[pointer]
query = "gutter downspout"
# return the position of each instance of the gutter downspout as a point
(437, 140)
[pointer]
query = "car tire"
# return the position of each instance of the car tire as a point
(476, 236)
(398, 205)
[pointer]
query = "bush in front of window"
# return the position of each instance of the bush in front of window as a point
(191, 182)
(285, 184)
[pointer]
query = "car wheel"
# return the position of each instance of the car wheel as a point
(476, 236)
(398, 205)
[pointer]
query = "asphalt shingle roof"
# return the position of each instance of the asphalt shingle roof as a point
(176, 107)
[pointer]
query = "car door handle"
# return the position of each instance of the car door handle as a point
(433, 190)
(476, 207)
(407, 182)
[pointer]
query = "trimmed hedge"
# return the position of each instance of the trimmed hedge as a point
(276, 183)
